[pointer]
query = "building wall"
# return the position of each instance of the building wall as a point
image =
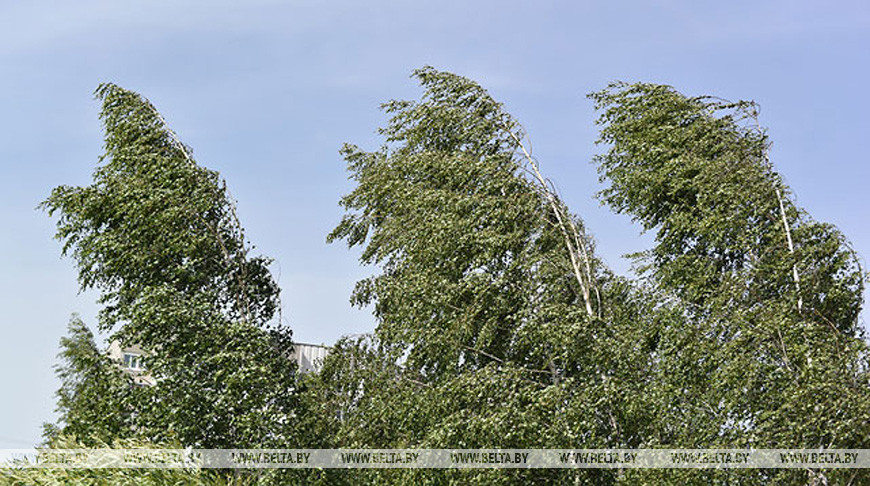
(140, 375)
(309, 357)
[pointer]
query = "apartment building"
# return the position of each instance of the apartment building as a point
(133, 360)
(309, 357)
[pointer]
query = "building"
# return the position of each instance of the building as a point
(309, 357)
(132, 359)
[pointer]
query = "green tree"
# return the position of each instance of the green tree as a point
(772, 353)
(158, 236)
(498, 326)
(502, 327)
(92, 402)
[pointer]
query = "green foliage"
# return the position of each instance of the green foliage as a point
(473, 265)
(92, 402)
(696, 171)
(743, 328)
(15, 474)
(497, 324)
(483, 338)
(158, 236)
(771, 353)
(154, 218)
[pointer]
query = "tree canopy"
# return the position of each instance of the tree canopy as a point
(497, 323)
(158, 236)
(504, 328)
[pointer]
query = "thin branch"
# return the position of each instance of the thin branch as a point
(416, 382)
(827, 321)
(574, 240)
(501, 361)
(484, 353)
(787, 228)
(784, 352)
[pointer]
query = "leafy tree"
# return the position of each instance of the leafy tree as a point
(92, 400)
(158, 236)
(472, 251)
(511, 333)
(498, 326)
(772, 354)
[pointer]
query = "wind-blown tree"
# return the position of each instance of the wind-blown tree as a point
(93, 400)
(500, 327)
(772, 353)
(512, 333)
(158, 236)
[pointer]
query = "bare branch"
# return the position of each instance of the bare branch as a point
(574, 239)
(786, 227)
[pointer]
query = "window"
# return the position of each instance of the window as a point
(134, 361)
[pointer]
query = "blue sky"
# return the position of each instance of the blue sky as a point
(267, 91)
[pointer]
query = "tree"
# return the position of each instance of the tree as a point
(772, 297)
(92, 402)
(472, 250)
(497, 324)
(511, 332)
(499, 327)
(158, 236)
